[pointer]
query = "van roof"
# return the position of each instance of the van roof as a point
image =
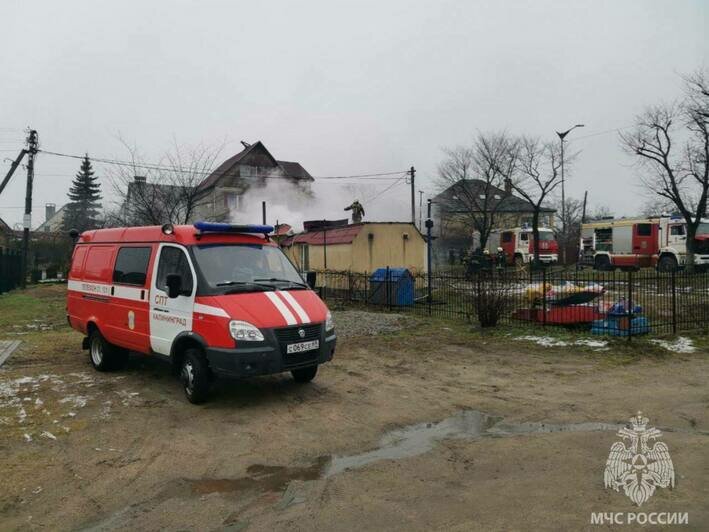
(182, 234)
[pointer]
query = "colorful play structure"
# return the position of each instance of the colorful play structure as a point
(573, 304)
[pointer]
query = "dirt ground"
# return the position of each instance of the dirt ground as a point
(431, 426)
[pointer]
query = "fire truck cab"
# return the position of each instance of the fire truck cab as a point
(212, 299)
(518, 245)
(644, 242)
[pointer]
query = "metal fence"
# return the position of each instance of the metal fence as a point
(10, 269)
(619, 303)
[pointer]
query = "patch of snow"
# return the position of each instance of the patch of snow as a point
(549, 341)
(545, 341)
(47, 434)
(27, 437)
(77, 401)
(21, 414)
(681, 345)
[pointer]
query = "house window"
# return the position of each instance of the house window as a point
(304, 257)
(233, 201)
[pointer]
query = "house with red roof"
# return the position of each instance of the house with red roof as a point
(361, 247)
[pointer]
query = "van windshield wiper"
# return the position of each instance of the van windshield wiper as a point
(245, 284)
(276, 280)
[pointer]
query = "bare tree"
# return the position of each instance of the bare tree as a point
(166, 192)
(474, 177)
(538, 174)
(671, 142)
(569, 220)
(599, 213)
(657, 206)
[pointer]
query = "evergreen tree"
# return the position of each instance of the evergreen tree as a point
(82, 211)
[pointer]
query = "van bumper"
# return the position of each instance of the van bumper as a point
(266, 359)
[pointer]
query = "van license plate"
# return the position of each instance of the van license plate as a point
(302, 346)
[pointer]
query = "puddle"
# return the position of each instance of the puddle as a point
(417, 439)
(261, 478)
(401, 443)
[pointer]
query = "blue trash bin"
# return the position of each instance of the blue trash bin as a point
(393, 286)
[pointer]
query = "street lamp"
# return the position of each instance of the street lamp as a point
(563, 194)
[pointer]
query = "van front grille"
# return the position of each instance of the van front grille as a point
(289, 335)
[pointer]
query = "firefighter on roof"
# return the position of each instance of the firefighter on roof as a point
(357, 211)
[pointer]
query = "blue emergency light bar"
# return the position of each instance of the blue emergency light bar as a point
(215, 227)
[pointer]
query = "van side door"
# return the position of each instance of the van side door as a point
(130, 308)
(170, 316)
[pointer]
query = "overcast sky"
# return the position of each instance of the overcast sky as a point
(342, 87)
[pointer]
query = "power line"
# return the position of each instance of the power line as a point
(606, 132)
(380, 194)
(154, 166)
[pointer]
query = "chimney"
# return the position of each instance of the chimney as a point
(140, 179)
(508, 186)
(50, 209)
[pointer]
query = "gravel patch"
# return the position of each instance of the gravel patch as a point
(352, 323)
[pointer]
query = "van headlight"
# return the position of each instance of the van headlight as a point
(329, 323)
(244, 331)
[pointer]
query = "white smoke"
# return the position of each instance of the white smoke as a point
(292, 203)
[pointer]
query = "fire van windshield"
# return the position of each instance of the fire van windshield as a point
(232, 268)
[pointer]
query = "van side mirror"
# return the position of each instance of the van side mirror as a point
(174, 285)
(311, 278)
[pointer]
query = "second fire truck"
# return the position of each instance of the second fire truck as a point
(659, 242)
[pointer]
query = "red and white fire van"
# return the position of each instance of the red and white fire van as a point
(642, 242)
(518, 245)
(213, 299)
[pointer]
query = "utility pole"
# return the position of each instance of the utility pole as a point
(421, 210)
(562, 135)
(583, 212)
(412, 173)
(32, 144)
(429, 257)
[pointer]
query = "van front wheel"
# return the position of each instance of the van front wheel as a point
(103, 355)
(304, 374)
(195, 376)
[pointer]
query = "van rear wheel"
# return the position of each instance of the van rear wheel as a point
(304, 374)
(103, 355)
(195, 376)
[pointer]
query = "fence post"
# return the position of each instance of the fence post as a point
(386, 287)
(349, 286)
(544, 297)
(674, 302)
(630, 304)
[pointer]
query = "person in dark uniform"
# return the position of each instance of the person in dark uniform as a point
(357, 211)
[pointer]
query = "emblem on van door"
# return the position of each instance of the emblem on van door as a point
(301, 333)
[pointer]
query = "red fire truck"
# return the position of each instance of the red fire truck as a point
(518, 245)
(643, 242)
(212, 299)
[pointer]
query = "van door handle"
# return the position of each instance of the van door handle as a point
(162, 310)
